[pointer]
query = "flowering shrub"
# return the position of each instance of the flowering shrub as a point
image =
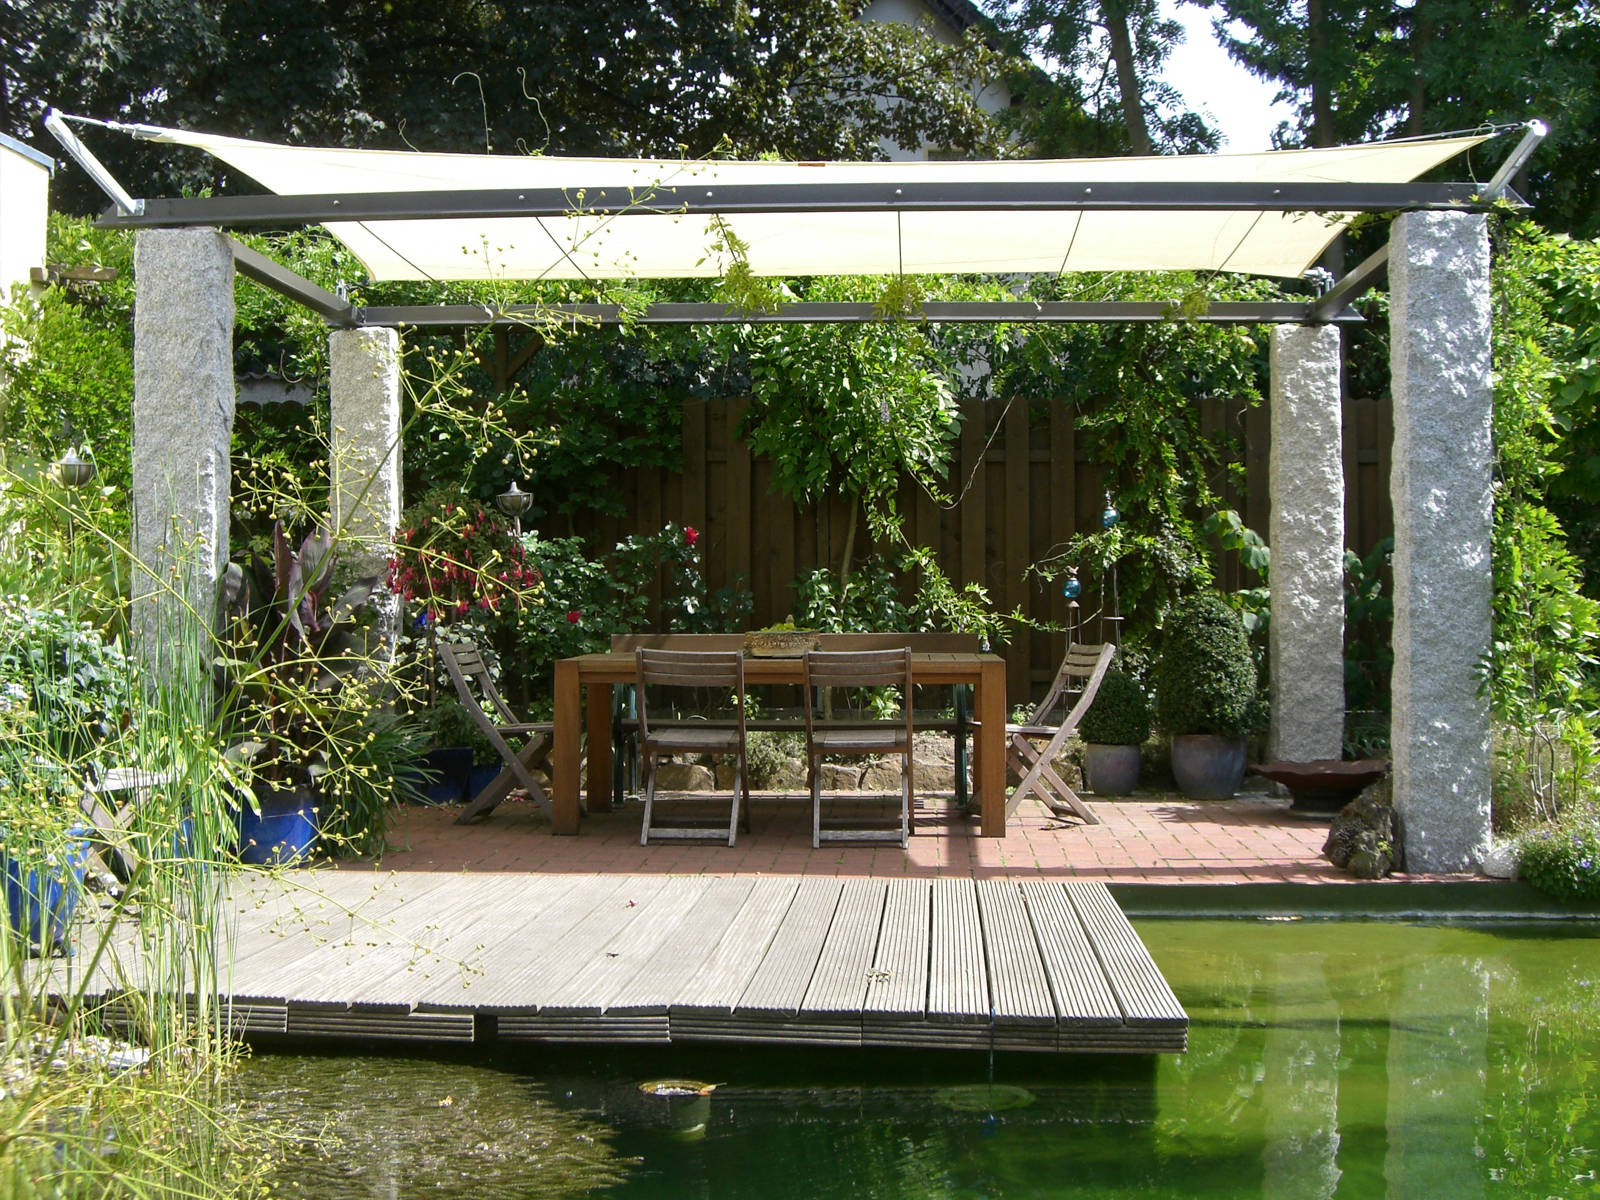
(589, 597)
(1563, 858)
(76, 683)
(453, 556)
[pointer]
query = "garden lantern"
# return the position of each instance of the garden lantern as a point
(514, 502)
(74, 471)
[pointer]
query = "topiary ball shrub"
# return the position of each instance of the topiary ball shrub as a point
(1205, 679)
(1563, 860)
(1119, 716)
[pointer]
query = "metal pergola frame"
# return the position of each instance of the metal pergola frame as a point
(1332, 306)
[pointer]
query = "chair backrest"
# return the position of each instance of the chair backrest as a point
(826, 669)
(688, 669)
(1078, 678)
(463, 661)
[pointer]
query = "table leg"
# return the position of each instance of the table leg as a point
(564, 754)
(597, 723)
(989, 748)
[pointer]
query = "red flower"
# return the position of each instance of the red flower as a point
(574, 615)
(691, 535)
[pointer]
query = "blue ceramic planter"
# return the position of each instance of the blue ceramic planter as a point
(282, 833)
(40, 902)
(480, 777)
(450, 765)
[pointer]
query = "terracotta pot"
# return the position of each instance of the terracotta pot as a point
(1110, 770)
(1207, 766)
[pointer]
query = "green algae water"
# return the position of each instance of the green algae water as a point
(1326, 1059)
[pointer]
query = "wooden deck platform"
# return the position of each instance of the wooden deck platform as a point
(934, 963)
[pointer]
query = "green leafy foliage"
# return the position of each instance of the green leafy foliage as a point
(1205, 678)
(66, 357)
(1540, 672)
(849, 409)
(804, 78)
(1135, 389)
(1088, 78)
(1563, 859)
(1396, 68)
(1120, 714)
(588, 596)
(75, 684)
(901, 594)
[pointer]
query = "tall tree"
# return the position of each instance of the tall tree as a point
(1092, 85)
(1359, 69)
(804, 79)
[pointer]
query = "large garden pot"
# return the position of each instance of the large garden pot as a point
(480, 777)
(283, 832)
(1207, 766)
(40, 900)
(1110, 770)
(450, 766)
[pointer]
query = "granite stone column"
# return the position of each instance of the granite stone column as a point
(364, 391)
(1441, 490)
(1306, 533)
(183, 404)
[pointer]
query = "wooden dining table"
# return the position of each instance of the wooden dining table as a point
(583, 705)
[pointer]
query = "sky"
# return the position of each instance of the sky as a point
(1213, 83)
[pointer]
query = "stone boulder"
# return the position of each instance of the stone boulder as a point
(683, 777)
(1365, 837)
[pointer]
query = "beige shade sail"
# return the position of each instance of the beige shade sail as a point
(638, 243)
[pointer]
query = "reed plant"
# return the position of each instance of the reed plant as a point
(115, 1059)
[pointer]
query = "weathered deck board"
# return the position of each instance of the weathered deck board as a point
(680, 957)
(1083, 995)
(714, 989)
(945, 963)
(1144, 995)
(780, 982)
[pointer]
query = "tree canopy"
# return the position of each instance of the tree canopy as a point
(803, 79)
(1361, 69)
(1088, 75)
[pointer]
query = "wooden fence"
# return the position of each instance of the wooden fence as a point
(1020, 487)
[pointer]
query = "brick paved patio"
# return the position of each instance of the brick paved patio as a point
(1148, 839)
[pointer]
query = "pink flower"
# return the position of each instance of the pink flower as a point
(574, 615)
(691, 535)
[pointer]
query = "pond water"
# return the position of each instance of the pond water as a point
(1336, 1059)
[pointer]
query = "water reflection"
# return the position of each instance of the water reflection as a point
(1327, 1060)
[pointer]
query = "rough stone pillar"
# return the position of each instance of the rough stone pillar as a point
(364, 391)
(1440, 486)
(183, 403)
(1306, 533)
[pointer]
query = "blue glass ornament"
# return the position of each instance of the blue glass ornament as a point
(1071, 588)
(1110, 517)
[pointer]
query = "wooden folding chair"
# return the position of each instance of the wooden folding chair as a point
(1078, 678)
(663, 670)
(110, 822)
(463, 662)
(825, 669)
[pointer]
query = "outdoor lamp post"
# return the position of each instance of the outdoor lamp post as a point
(514, 502)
